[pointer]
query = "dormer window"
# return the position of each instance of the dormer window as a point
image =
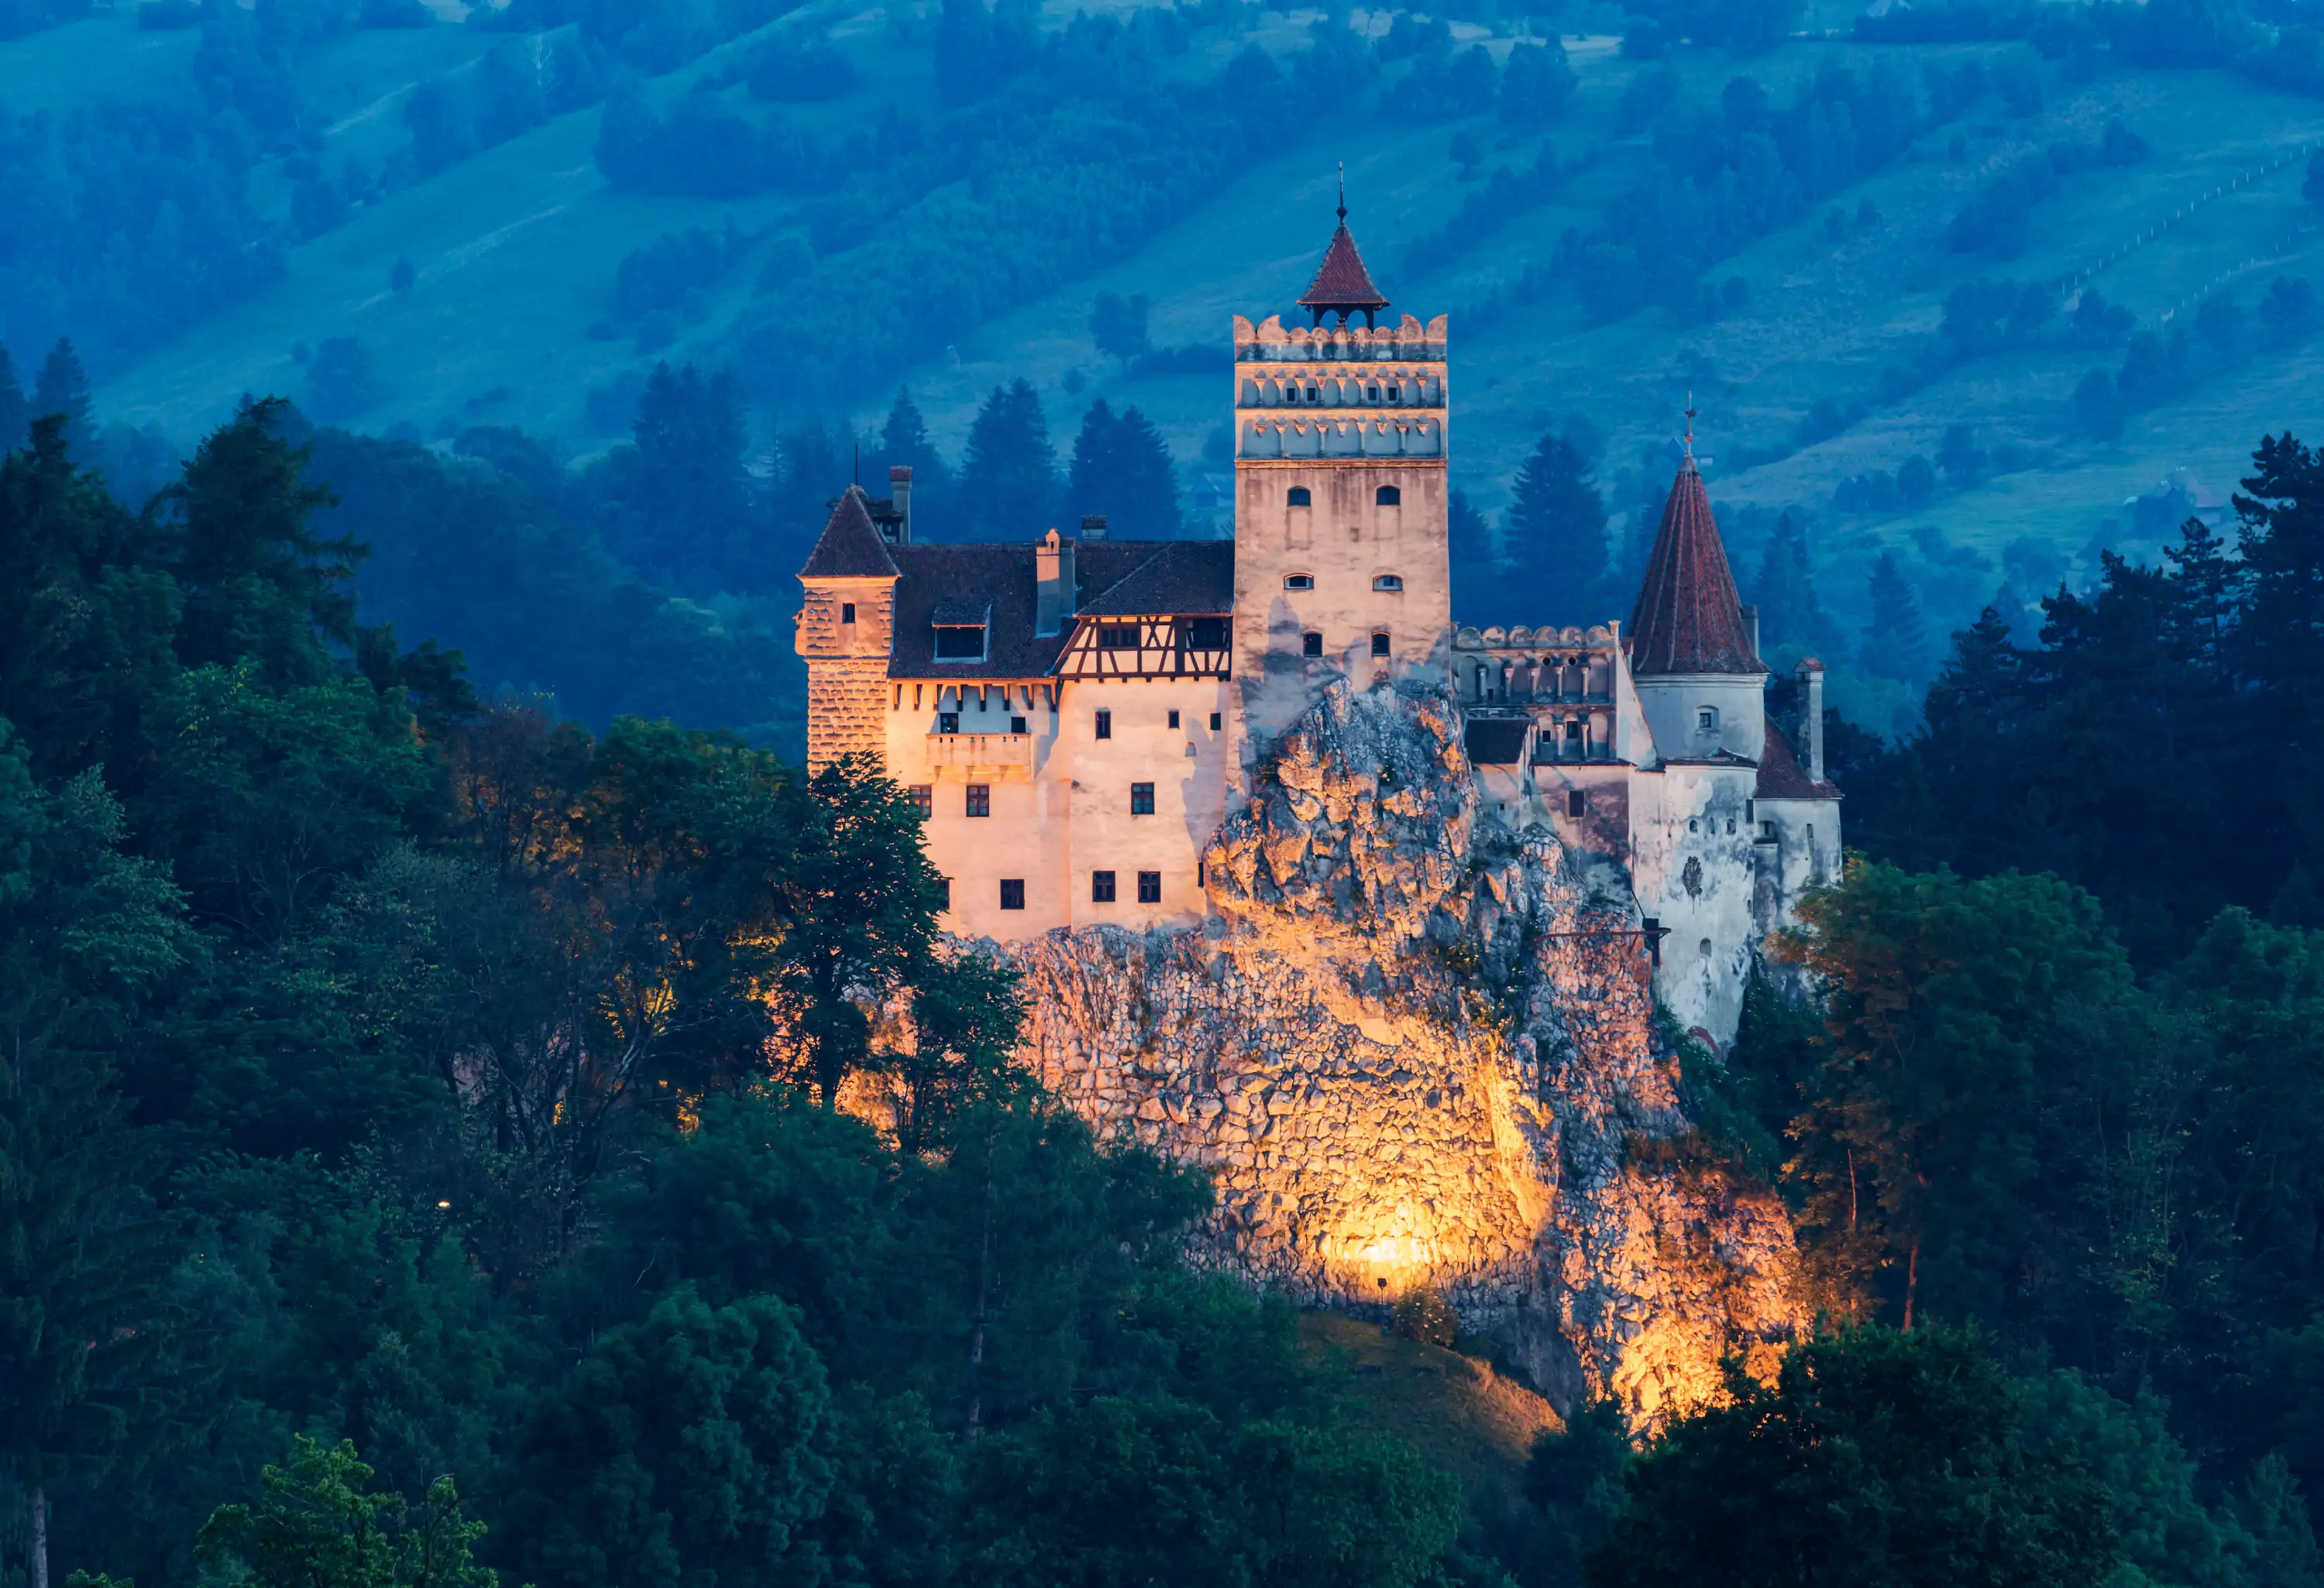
(1387, 496)
(1299, 581)
(961, 629)
(1298, 496)
(1388, 582)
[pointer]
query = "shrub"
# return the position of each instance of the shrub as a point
(1422, 1315)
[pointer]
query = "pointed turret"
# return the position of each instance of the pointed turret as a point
(850, 547)
(1342, 286)
(1689, 619)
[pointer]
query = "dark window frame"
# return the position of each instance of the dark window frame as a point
(923, 798)
(1101, 887)
(1149, 887)
(1299, 497)
(1141, 799)
(949, 650)
(1012, 892)
(979, 799)
(1311, 644)
(1104, 728)
(847, 612)
(1387, 496)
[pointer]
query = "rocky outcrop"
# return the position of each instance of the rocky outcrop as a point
(1414, 1049)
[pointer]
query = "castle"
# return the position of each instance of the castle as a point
(1077, 715)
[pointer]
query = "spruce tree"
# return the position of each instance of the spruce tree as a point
(1009, 488)
(903, 441)
(1556, 531)
(16, 415)
(2209, 588)
(63, 387)
(1789, 612)
(691, 435)
(1121, 468)
(1896, 641)
(1476, 588)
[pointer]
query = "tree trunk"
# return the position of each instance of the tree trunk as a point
(39, 1546)
(1912, 1283)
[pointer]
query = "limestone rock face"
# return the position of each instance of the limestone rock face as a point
(1411, 1048)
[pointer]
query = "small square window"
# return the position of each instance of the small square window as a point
(1141, 799)
(1017, 726)
(1174, 719)
(1012, 892)
(1311, 644)
(1577, 803)
(1217, 721)
(1386, 495)
(923, 798)
(947, 721)
(1298, 496)
(1149, 887)
(847, 612)
(1706, 719)
(1379, 644)
(1104, 724)
(1101, 887)
(979, 799)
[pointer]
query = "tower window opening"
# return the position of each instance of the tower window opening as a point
(1388, 582)
(1012, 892)
(1387, 496)
(1174, 719)
(1311, 644)
(979, 799)
(1104, 724)
(1291, 393)
(1141, 799)
(947, 721)
(1314, 393)
(1149, 887)
(1395, 393)
(1299, 581)
(1577, 803)
(1217, 721)
(1706, 719)
(923, 798)
(1298, 496)
(1379, 643)
(847, 612)
(1017, 724)
(1371, 393)
(1101, 887)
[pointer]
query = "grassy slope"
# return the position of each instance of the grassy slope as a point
(1460, 1413)
(516, 250)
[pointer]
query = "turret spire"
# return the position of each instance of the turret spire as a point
(1689, 618)
(1342, 286)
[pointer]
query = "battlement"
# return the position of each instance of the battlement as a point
(1272, 341)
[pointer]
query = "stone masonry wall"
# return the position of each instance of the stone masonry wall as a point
(1414, 1050)
(847, 708)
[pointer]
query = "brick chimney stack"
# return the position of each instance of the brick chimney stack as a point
(1054, 588)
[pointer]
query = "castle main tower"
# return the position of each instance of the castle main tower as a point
(1341, 497)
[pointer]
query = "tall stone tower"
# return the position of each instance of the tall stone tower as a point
(1340, 561)
(843, 629)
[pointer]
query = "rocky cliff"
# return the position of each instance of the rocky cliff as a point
(1412, 1049)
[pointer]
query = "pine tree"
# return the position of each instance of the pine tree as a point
(1009, 488)
(2210, 589)
(63, 387)
(903, 441)
(1121, 468)
(1556, 531)
(1784, 590)
(1896, 641)
(2281, 641)
(16, 415)
(691, 435)
(1475, 586)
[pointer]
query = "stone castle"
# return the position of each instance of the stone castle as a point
(1082, 718)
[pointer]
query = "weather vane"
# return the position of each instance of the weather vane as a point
(1343, 195)
(1690, 426)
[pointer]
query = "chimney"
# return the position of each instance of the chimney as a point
(1810, 673)
(1751, 627)
(1053, 589)
(899, 490)
(1092, 526)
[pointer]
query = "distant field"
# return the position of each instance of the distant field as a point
(515, 251)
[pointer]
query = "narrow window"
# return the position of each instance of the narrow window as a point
(1012, 892)
(1174, 719)
(1141, 799)
(1387, 496)
(1118, 639)
(1311, 644)
(1750, 809)
(1314, 393)
(1101, 887)
(1291, 392)
(1017, 726)
(1395, 393)
(1216, 722)
(1298, 497)
(947, 892)
(979, 799)
(1149, 887)
(924, 799)
(947, 721)
(1299, 581)
(1380, 643)
(847, 612)
(1577, 803)
(1768, 831)
(1388, 582)
(1104, 724)
(1371, 393)
(1573, 733)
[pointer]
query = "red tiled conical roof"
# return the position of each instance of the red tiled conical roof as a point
(1689, 619)
(1343, 282)
(850, 547)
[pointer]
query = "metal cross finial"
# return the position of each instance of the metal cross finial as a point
(1344, 192)
(1689, 427)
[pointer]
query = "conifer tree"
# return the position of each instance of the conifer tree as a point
(1470, 540)
(16, 415)
(1789, 612)
(63, 387)
(1009, 487)
(1121, 468)
(2210, 588)
(903, 441)
(1896, 640)
(1555, 533)
(691, 435)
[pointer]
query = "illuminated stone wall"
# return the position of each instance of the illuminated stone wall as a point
(1412, 1049)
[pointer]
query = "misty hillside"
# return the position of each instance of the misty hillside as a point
(1957, 282)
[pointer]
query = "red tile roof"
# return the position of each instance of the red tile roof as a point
(850, 548)
(1781, 776)
(1343, 281)
(1688, 618)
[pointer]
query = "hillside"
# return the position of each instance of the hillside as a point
(511, 315)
